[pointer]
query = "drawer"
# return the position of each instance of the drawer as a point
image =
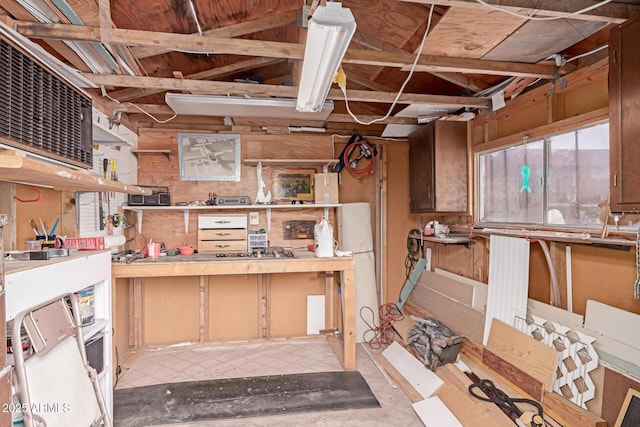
(222, 246)
(222, 221)
(222, 234)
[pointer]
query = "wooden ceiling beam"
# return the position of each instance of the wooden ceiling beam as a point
(218, 45)
(614, 13)
(230, 31)
(215, 73)
(241, 89)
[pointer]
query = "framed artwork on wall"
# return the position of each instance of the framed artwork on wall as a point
(293, 184)
(209, 157)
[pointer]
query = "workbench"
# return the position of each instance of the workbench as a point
(206, 266)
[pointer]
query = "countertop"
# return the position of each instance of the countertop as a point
(14, 266)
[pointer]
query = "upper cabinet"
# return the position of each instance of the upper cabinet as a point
(438, 168)
(624, 110)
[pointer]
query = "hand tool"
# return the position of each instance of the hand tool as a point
(53, 230)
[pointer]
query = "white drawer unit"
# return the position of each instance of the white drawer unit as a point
(222, 233)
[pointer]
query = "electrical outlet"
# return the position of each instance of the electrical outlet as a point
(254, 219)
(306, 9)
(4, 219)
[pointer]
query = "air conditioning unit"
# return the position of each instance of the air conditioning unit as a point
(40, 112)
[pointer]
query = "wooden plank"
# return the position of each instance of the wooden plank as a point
(422, 379)
(560, 408)
(517, 349)
(460, 318)
(455, 290)
(16, 168)
(514, 375)
(554, 314)
(395, 375)
(480, 290)
(434, 413)
(469, 410)
(235, 46)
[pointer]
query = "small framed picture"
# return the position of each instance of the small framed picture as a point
(293, 184)
(209, 157)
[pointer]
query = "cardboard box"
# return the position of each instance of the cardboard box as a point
(325, 187)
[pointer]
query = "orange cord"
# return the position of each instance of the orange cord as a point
(383, 334)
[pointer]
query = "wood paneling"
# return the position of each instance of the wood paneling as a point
(233, 307)
(121, 292)
(605, 275)
(171, 310)
(287, 296)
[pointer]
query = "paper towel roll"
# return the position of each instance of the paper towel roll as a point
(114, 241)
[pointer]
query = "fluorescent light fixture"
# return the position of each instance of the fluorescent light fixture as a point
(238, 106)
(330, 31)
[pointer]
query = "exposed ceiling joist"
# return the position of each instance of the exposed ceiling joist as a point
(241, 89)
(215, 73)
(614, 13)
(234, 30)
(195, 43)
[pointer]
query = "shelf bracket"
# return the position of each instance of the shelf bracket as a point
(268, 219)
(186, 221)
(139, 220)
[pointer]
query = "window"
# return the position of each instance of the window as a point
(556, 180)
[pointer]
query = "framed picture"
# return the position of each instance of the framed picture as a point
(293, 184)
(209, 157)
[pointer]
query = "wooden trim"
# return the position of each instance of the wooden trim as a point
(546, 130)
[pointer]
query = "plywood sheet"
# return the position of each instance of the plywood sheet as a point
(615, 390)
(480, 290)
(547, 35)
(233, 307)
(522, 351)
(287, 299)
(462, 33)
(612, 322)
(171, 311)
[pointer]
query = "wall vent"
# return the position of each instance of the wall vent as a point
(41, 113)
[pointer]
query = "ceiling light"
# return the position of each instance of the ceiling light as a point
(239, 106)
(330, 30)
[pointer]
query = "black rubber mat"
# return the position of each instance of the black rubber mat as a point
(240, 397)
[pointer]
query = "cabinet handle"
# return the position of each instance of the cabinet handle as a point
(615, 179)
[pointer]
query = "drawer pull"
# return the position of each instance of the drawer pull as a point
(222, 246)
(222, 222)
(223, 234)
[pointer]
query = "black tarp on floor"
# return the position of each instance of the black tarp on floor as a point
(240, 397)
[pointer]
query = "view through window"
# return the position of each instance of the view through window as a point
(556, 180)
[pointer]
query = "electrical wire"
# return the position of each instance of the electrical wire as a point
(404, 84)
(545, 18)
(106, 95)
(500, 398)
(350, 164)
(381, 335)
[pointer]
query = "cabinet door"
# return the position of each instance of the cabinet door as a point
(624, 108)
(422, 169)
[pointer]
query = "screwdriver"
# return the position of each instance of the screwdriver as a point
(105, 167)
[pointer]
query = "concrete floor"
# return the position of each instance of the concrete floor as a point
(272, 358)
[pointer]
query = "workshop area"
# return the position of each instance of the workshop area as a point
(257, 213)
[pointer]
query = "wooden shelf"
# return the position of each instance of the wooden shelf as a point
(167, 153)
(290, 162)
(20, 169)
(187, 209)
(448, 240)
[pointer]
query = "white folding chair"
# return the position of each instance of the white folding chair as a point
(55, 384)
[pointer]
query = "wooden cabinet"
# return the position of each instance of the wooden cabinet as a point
(222, 233)
(624, 110)
(438, 169)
